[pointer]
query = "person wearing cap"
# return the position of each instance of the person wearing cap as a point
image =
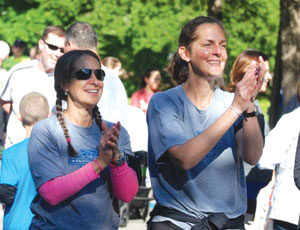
(18, 56)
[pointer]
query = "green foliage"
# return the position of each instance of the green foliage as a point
(143, 33)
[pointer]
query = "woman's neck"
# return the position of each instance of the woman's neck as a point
(200, 91)
(148, 89)
(80, 117)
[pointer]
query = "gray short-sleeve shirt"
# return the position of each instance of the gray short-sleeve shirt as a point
(216, 183)
(90, 208)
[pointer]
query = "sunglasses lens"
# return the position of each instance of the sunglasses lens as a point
(52, 47)
(83, 74)
(100, 74)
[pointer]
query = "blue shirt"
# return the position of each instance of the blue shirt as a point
(90, 208)
(15, 171)
(217, 182)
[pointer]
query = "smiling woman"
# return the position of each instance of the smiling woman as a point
(195, 147)
(77, 160)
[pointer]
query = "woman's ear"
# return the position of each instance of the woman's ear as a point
(184, 53)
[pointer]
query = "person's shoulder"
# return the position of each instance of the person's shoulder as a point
(15, 150)
(28, 64)
(291, 115)
(49, 123)
(172, 93)
(138, 92)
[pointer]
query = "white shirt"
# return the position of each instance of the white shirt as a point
(280, 151)
(113, 102)
(137, 128)
(24, 78)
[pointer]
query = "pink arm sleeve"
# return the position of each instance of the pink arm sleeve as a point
(124, 182)
(60, 188)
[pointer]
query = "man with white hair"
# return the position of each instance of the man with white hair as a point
(113, 103)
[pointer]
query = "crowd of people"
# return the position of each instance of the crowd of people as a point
(70, 135)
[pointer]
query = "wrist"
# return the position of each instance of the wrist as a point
(99, 167)
(120, 161)
(251, 112)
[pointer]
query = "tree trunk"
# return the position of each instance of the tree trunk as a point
(287, 69)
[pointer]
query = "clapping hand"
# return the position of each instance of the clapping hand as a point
(248, 87)
(108, 148)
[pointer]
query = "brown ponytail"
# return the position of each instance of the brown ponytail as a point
(97, 117)
(59, 114)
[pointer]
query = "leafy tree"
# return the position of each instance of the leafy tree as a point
(144, 33)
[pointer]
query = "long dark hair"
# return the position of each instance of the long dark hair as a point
(66, 65)
(178, 68)
(147, 74)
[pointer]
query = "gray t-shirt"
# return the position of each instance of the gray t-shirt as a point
(91, 207)
(216, 183)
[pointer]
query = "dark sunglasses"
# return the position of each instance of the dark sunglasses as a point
(54, 47)
(85, 74)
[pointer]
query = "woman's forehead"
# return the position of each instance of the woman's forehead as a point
(87, 61)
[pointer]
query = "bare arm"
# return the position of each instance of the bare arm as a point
(250, 140)
(189, 154)
(186, 156)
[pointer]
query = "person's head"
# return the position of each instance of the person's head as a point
(51, 47)
(18, 48)
(33, 52)
(241, 65)
(81, 35)
(112, 63)
(151, 79)
(33, 108)
(4, 51)
(78, 78)
(201, 50)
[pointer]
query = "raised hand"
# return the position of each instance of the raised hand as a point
(248, 87)
(108, 148)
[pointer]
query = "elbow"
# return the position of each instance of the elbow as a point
(129, 195)
(51, 200)
(183, 163)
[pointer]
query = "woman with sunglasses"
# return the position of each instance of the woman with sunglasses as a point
(195, 153)
(78, 160)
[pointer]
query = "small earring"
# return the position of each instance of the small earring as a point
(66, 93)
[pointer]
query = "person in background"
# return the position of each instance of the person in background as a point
(279, 154)
(18, 56)
(34, 52)
(256, 179)
(31, 76)
(113, 103)
(150, 85)
(4, 52)
(196, 147)
(297, 170)
(17, 189)
(77, 160)
(114, 64)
